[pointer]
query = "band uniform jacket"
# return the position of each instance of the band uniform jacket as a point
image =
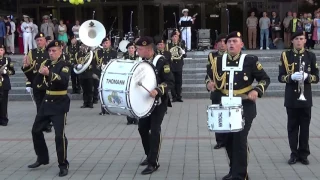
(56, 100)
(36, 57)
(289, 64)
(212, 55)
(127, 56)
(80, 59)
(166, 54)
(165, 79)
(71, 51)
(5, 82)
(252, 69)
(102, 57)
(176, 62)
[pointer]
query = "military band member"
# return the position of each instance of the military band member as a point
(86, 79)
(236, 144)
(71, 50)
(152, 141)
(30, 68)
(132, 55)
(161, 50)
(214, 96)
(54, 77)
(298, 111)
(177, 50)
(6, 70)
(102, 57)
(48, 38)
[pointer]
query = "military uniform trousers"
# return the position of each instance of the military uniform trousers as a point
(152, 141)
(298, 131)
(38, 98)
(238, 151)
(87, 87)
(95, 90)
(75, 82)
(176, 91)
(4, 107)
(61, 141)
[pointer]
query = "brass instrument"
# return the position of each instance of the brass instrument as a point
(176, 52)
(301, 82)
(4, 67)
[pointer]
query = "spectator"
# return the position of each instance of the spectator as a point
(275, 26)
(20, 39)
(8, 39)
(47, 28)
(264, 24)
(316, 30)
(35, 31)
(252, 23)
(13, 30)
(2, 30)
(287, 31)
(75, 29)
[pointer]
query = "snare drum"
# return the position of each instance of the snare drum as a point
(119, 90)
(222, 119)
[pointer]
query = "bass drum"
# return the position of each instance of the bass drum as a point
(123, 45)
(119, 90)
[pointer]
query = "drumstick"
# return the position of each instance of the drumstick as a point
(140, 84)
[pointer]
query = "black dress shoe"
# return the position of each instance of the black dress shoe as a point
(150, 169)
(128, 123)
(174, 100)
(63, 172)
(37, 164)
(90, 106)
(227, 177)
(218, 146)
(135, 122)
(144, 162)
(304, 161)
(292, 160)
(83, 106)
(95, 102)
(179, 100)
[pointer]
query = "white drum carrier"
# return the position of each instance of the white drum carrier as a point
(124, 86)
(227, 116)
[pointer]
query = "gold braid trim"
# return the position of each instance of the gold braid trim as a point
(216, 76)
(289, 67)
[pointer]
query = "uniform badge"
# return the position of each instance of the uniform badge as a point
(166, 68)
(259, 65)
(65, 69)
(245, 78)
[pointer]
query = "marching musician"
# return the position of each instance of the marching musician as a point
(291, 72)
(102, 57)
(152, 141)
(186, 31)
(214, 96)
(54, 77)
(6, 70)
(31, 65)
(48, 40)
(132, 55)
(71, 50)
(177, 50)
(218, 81)
(161, 50)
(86, 77)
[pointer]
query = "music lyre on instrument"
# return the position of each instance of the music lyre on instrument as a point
(91, 33)
(301, 82)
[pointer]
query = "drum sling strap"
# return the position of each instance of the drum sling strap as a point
(230, 100)
(154, 62)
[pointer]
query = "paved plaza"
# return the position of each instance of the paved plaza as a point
(104, 147)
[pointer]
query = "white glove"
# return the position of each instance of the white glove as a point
(79, 66)
(182, 51)
(297, 76)
(28, 89)
(305, 75)
(4, 71)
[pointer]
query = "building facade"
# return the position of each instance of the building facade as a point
(154, 17)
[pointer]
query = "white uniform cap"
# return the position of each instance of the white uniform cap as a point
(185, 10)
(25, 16)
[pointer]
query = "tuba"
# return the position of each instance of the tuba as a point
(301, 82)
(91, 34)
(176, 52)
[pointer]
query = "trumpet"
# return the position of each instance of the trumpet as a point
(301, 82)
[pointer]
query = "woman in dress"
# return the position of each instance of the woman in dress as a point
(20, 39)
(316, 30)
(62, 36)
(75, 29)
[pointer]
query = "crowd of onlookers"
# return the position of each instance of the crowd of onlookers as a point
(21, 33)
(276, 33)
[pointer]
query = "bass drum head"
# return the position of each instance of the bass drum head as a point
(123, 45)
(141, 102)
